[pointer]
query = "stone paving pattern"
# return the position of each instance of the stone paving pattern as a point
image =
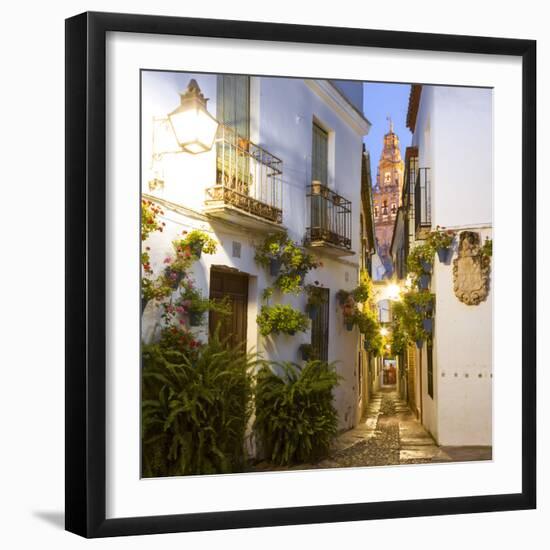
(389, 435)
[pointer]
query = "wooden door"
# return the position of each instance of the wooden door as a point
(235, 286)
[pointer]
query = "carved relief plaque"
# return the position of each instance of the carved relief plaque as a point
(471, 270)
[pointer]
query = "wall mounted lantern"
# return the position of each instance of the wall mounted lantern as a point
(194, 127)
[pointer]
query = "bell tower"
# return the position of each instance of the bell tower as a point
(387, 195)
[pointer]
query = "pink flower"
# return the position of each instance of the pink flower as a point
(167, 260)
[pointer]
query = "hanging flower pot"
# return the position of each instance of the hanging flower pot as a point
(196, 249)
(424, 281)
(419, 344)
(418, 308)
(342, 296)
(349, 325)
(426, 266)
(428, 325)
(445, 255)
(306, 351)
(173, 277)
(195, 318)
(313, 311)
(274, 266)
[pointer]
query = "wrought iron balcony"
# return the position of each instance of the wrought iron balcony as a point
(249, 187)
(422, 202)
(330, 220)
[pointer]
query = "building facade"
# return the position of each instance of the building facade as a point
(448, 184)
(288, 156)
(387, 196)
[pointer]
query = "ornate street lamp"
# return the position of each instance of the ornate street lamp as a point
(194, 127)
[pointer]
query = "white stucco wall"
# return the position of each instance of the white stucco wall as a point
(454, 137)
(282, 114)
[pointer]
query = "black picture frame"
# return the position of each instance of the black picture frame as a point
(86, 275)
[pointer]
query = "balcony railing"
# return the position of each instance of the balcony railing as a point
(422, 201)
(330, 217)
(248, 177)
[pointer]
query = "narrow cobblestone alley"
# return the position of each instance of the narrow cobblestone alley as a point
(389, 435)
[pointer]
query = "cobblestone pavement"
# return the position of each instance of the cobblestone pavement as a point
(390, 434)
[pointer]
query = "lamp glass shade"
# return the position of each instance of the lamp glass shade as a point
(195, 129)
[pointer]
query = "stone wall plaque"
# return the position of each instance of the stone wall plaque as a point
(471, 270)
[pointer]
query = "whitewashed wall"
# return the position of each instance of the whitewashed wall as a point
(454, 137)
(282, 114)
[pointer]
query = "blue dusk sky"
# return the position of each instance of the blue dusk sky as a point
(381, 100)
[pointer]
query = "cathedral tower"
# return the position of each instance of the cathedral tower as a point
(387, 195)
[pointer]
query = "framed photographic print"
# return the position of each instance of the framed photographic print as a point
(300, 274)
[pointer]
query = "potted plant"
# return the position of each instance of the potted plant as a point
(420, 259)
(421, 301)
(315, 298)
(173, 276)
(441, 240)
(487, 247)
(198, 242)
(275, 266)
(363, 291)
(348, 310)
(192, 303)
(281, 319)
(427, 325)
(269, 252)
(306, 352)
(342, 296)
(423, 281)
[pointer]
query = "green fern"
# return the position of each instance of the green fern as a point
(295, 417)
(195, 409)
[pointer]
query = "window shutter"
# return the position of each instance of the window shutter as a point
(319, 155)
(233, 105)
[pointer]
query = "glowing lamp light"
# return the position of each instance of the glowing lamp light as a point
(194, 127)
(384, 331)
(393, 291)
